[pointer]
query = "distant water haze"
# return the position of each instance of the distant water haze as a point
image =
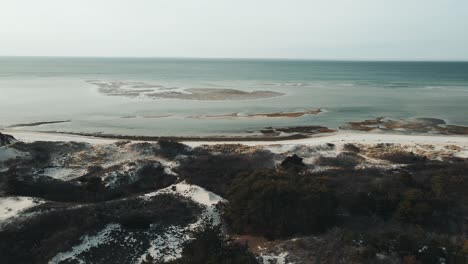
(319, 29)
(59, 89)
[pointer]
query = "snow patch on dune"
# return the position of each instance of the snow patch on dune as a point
(169, 245)
(87, 242)
(193, 192)
(7, 153)
(462, 154)
(277, 259)
(12, 206)
(309, 153)
(62, 173)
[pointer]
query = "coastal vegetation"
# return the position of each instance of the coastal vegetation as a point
(279, 204)
(210, 246)
(380, 203)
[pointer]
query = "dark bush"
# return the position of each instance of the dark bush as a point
(211, 247)
(94, 185)
(6, 139)
(92, 189)
(403, 157)
(94, 169)
(151, 176)
(216, 172)
(342, 160)
(136, 220)
(351, 148)
(41, 152)
(293, 163)
(415, 207)
(54, 231)
(362, 204)
(417, 245)
(278, 204)
(46, 188)
(172, 149)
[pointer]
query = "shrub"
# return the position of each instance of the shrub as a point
(403, 157)
(293, 163)
(151, 176)
(216, 172)
(53, 231)
(93, 169)
(342, 160)
(136, 220)
(417, 246)
(6, 139)
(210, 247)
(414, 208)
(171, 149)
(351, 148)
(279, 204)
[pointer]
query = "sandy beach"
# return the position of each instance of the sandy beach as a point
(340, 137)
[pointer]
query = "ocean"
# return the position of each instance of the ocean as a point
(42, 89)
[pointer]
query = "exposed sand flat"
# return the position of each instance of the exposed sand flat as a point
(140, 89)
(260, 115)
(215, 94)
(340, 137)
(31, 136)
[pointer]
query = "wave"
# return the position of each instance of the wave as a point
(294, 84)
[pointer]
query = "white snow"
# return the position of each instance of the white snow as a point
(169, 166)
(279, 259)
(87, 242)
(462, 154)
(193, 192)
(7, 153)
(168, 245)
(62, 173)
(12, 206)
(308, 153)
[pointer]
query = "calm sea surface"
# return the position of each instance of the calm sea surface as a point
(48, 89)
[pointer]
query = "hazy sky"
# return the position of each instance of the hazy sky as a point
(315, 29)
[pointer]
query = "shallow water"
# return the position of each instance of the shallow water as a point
(49, 89)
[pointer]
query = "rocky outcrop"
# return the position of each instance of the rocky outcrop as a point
(6, 139)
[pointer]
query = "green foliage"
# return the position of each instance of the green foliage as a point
(414, 208)
(403, 157)
(418, 246)
(278, 204)
(343, 160)
(210, 247)
(216, 172)
(59, 229)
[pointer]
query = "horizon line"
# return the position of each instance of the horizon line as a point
(233, 58)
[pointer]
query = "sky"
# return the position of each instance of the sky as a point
(297, 29)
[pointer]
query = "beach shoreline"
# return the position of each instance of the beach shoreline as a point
(339, 137)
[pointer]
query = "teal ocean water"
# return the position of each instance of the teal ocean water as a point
(49, 89)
